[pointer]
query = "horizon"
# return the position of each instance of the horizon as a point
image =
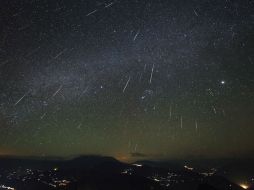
(132, 160)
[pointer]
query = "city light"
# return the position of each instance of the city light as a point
(244, 186)
(138, 165)
(188, 168)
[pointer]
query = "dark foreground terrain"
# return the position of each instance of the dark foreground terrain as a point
(95, 173)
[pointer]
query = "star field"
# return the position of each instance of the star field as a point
(130, 79)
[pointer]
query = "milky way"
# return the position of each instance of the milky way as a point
(131, 79)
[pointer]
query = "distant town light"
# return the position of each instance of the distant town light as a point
(138, 165)
(6, 187)
(244, 186)
(188, 168)
(155, 179)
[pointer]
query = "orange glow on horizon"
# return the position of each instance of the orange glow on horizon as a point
(122, 158)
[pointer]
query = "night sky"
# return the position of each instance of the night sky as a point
(133, 79)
